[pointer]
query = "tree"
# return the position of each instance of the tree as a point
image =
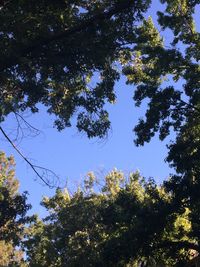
(156, 68)
(62, 55)
(13, 217)
(126, 222)
(167, 76)
(84, 40)
(75, 51)
(52, 52)
(70, 44)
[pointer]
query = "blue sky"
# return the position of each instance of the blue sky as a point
(71, 155)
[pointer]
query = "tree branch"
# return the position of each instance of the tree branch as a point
(190, 105)
(13, 60)
(181, 244)
(37, 131)
(33, 167)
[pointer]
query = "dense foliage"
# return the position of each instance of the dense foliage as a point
(61, 54)
(168, 76)
(13, 217)
(125, 222)
(67, 55)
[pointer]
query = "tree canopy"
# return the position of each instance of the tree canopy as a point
(62, 54)
(126, 222)
(13, 209)
(67, 56)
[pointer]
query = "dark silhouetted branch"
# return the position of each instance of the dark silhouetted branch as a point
(33, 167)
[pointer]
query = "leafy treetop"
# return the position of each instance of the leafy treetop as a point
(128, 221)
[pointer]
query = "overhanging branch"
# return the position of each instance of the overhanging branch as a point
(12, 61)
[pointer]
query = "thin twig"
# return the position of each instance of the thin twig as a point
(33, 167)
(26, 122)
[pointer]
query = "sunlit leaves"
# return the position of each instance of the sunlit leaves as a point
(52, 52)
(126, 222)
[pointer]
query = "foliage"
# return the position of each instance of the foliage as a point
(68, 55)
(126, 222)
(166, 76)
(13, 217)
(62, 54)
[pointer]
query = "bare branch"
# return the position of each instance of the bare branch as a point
(35, 168)
(26, 122)
(22, 129)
